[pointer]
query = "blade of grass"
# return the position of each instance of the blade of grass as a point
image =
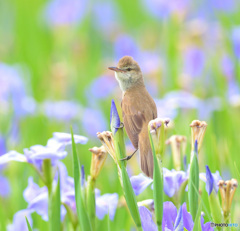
(28, 224)
(55, 212)
(81, 210)
(193, 184)
(157, 186)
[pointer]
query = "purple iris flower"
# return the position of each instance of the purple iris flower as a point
(172, 182)
(140, 183)
(35, 155)
(61, 110)
(101, 88)
(93, 121)
(60, 140)
(148, 60)
(163, 9)
(19, 221)
(13, 90)
(206, 226)
(225, 6)
(105, 17)
(172, 219)
(125, 45)
(114, 118)
(65, 12)
(172, 101)
(37, 199)
(4, 187)
(208, 106)
(227, 67)
(146, 219)
(236, 41)
(194, 61)
(211, 180)
(106, 204)
(179, 220)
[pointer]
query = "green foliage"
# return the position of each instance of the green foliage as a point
(193, 185)
(29, 226)
(81, 208)
(55, 208)
(157, 186)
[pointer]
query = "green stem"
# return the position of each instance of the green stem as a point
(47, 174)
(91, 201)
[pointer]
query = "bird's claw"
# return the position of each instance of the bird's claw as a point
(121, 126)
(129, 157)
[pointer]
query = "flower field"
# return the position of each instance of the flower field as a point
(62, 136)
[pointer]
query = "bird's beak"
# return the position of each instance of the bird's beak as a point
(115, 69)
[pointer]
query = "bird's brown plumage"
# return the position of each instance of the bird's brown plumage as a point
(138, 109)
(136, 119)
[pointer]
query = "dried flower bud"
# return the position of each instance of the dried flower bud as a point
(99, 156)
(198, 129)
(107, 141)
(178, 146)
(158, 137)
(227, 190)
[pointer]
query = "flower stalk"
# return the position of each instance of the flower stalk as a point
(99, 156)
(193, 183)
(213, 198)
(157, 140)
(178, 146)
(115, 145)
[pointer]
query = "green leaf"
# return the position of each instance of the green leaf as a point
(193, 185)
(129, 193)
(124, 178)
(215, 208)
(91, 201)
(157, 186)
(29, 226)
(237, 171)
(81, 210)
(197, 223)
(55, 208)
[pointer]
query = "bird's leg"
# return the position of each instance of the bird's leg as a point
(121, 126)
(129, 157)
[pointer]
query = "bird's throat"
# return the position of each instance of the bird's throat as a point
(126, 81)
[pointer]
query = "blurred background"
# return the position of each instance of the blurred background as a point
(53, 74)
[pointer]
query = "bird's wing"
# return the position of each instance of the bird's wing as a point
(133, 119)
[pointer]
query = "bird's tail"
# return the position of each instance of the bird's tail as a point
(146, 157)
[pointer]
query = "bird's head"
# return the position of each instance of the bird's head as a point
(127, 72)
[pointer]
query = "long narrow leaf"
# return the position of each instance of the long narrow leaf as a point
(81, 210)
(55, 210)
(197, 224)
(157, 187)
(28, 224)
(193, 185)
(127, 186)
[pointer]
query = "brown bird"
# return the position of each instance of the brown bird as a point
(138, 108)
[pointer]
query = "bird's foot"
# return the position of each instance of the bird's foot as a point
(129, 157)
(121, 126)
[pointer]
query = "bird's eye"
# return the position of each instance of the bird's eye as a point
(129, 69)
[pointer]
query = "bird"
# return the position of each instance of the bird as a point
(138, 108)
